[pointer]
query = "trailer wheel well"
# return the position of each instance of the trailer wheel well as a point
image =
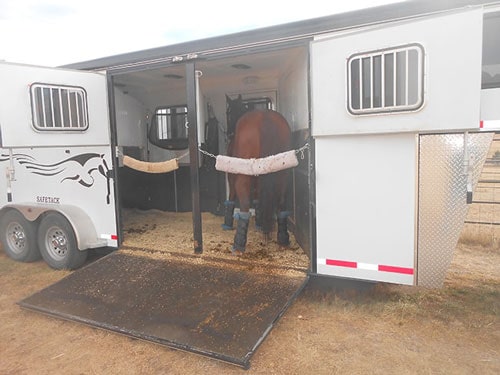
(85, 232)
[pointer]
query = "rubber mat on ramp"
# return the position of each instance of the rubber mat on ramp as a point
(221, 309)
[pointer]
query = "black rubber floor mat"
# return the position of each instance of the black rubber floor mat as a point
(221, 310)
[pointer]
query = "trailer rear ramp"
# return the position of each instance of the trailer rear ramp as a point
(218, 308)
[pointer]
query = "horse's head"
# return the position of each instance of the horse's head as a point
(235, 108)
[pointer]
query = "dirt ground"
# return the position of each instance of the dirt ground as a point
(387, 329)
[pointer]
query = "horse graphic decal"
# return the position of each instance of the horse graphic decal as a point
(81, 168)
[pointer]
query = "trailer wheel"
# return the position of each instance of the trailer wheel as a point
(18, 237)
(57, 243)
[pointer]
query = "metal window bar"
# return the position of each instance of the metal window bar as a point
(360, 83)
(168, 121)
(43, 107)
(395, 78)
(61, 108)
(382, 80)
(351, 85)
(67, 108)
(370, 82)
(407, 55)
(80, 107)
(52, 107)
(419, 80)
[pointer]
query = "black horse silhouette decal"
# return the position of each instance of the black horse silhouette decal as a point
(80, 168)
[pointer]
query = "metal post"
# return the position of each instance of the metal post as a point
(193, 155)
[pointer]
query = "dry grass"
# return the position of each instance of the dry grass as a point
(385, 329)
(486, 236)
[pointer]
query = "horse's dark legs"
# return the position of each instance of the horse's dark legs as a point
(229, 204)
(258, 211)
(228, 214)
(283, 237)
(258, 214)
(242, 187)
(240, 237)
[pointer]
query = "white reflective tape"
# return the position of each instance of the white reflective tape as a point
(368, 266)
(490, 124)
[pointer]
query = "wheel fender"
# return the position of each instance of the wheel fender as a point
(85, 232)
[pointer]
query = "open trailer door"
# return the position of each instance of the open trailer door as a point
(374, 90)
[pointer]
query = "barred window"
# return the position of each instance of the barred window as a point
(168, 128)
(58, 107)
(171, 122)
(389, 80)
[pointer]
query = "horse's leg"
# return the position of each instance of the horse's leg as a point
(229, 204)
(258, 211)
(242, 187)
(282, 235)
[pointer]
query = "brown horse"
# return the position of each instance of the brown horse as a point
(258, 134)
(235, 108)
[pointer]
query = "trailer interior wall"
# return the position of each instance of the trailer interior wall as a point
(131, 123)
(278, 74)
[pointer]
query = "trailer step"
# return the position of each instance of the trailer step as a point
(217, 309)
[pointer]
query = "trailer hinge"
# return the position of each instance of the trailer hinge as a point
(10, 171)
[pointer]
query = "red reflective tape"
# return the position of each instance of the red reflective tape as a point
(341, 263)
(481, 124)
(405, 270)
(114, 237)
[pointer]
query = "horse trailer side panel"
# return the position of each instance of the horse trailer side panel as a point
(447, 164)
(366, 207)
(18, 119)
(399, 77)
(56, 149)
(71, 176)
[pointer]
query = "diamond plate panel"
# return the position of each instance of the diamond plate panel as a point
(442, 203)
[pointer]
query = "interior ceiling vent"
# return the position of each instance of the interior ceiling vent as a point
(241, 66)
(173, 76)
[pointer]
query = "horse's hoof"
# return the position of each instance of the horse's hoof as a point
(226, 227)
(237, 252)
(285, 242)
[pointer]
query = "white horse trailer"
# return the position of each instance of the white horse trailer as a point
(59, 194)
(397, 105)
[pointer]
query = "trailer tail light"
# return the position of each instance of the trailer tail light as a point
(112, 237)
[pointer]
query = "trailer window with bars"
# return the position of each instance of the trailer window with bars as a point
(168, 128)
(57, 107)
(384, 81)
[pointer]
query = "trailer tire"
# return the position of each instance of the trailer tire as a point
(18, 237)
(57, 243)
